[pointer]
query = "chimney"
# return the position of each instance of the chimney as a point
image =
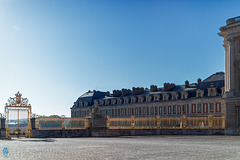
(186, 84)
(153, 88)
(199, 81)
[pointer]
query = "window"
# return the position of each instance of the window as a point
(160, 110)
(205, 108)
(165, 97)
(144, 110)
(165, 109)
(156, 110)
(126, 100)
(118, 112)
(140, 99)
(184, 109)
(156, 98)
(169, 109)
(129, 112)
(179, 109)
(136, 111)
(199, 108)
(152, 111)
(148, 111)
(122, 112)
(148, 98)
(132, 111)
(113, 112)
(140, 111)
(119, 101)
(113, 101)
(133, 100)
(184, 95)
(174, 109)
(218, 107)
(211, 107)
(193, 108)
(211, 94)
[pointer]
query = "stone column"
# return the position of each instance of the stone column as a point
(232, 68)
(227, 65)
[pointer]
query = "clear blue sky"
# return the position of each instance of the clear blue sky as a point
(53, 51)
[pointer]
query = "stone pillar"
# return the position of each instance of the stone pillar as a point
(3, 128)
(33, 123)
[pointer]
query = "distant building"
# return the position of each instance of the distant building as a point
(198, 99)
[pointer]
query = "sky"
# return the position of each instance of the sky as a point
(53, 51)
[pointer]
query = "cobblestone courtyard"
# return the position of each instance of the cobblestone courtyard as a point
(144, 147)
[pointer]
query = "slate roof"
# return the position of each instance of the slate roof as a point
(217, 79)
(90, 96)
(219, 76)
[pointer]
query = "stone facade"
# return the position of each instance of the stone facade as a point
(196, 99)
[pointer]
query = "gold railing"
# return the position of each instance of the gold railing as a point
(158, 122)
(61, 123)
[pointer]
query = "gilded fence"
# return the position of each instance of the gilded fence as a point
(158, 122)
(61, 123)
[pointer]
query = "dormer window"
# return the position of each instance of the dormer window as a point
(85, 104)
(184, 95)
(126, 100)
(140, 99)
(81, 103)
(106, 102)
(156, 98)
(212, 90)
(174, 96)
(101, 102)
(119, 101)
(199, 93)
(95, 102)
(133, 99)
(113, 101)
(165, 96)
(148, 98)
(75, 104)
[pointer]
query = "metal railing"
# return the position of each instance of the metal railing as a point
(61, 123)
(158, 122)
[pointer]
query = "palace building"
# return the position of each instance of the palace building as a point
(201, 98)
(218, 95)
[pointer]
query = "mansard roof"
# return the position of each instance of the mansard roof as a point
(90, 96)
(216, 80)
(219, 76)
